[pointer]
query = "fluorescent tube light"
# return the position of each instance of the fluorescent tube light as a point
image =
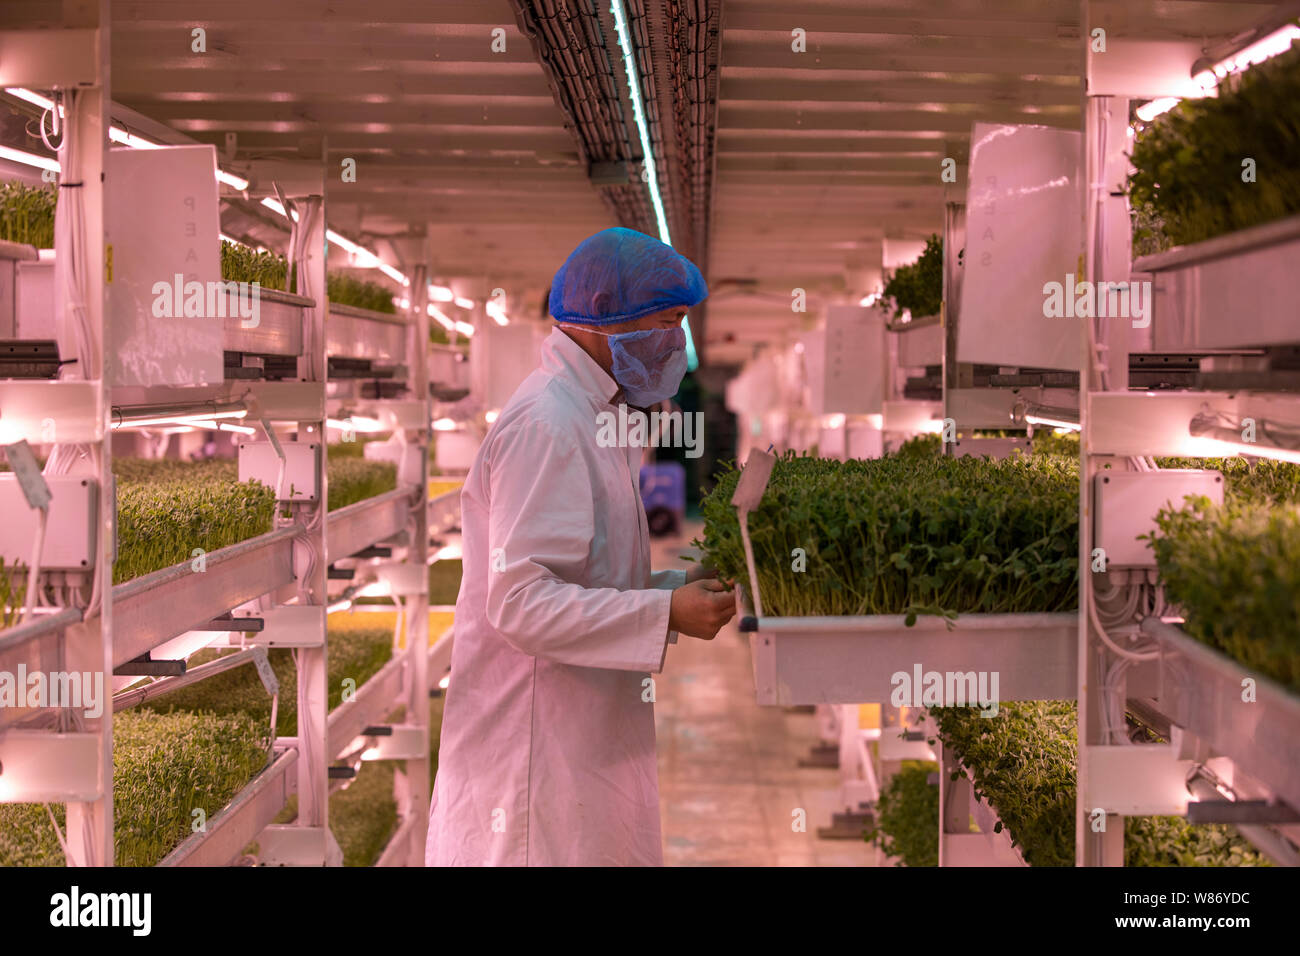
(1206, 425)
(497, 313)
(1149, 111)
(440, 317)
(29, 159)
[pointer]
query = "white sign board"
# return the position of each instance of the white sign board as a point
(162, 222)
(1023, 230)
(854, 362)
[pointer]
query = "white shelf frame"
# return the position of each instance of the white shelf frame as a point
(157, 607)
(1187, 682)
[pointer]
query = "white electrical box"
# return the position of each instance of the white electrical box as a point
(258, 461)
(164, 283)
(69, 529)
(1127, 503)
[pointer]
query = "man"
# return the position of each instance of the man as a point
(548, 739)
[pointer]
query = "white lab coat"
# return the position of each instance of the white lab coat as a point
(548, 737)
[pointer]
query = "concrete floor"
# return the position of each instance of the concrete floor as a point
(729, 775)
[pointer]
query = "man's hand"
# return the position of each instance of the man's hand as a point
(700, 572)
(700, 608)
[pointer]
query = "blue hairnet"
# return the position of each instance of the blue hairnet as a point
(638, 274)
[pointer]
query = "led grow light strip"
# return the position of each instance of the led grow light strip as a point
(647, 150)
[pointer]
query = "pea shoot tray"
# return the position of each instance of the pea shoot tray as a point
(843, 660)
(852, 659)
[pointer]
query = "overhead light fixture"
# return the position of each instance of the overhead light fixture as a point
(1055, 416)
(491, 415)
(1279, 41)
(464, 328)
(647, 150)
(1149, 111)
(497, 313)
(224, 427)
(393, 273)
(356, 423)
(29, 159)
(120, 135)
(275, 207)
(238, 183)
(441, 317)
(1271, 443)
(1207, 72)
(210, 417)
(365, 258)
(463, 302)
(444, 425)
(337, 606)
(440, 293)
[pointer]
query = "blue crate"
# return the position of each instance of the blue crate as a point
(663, 492)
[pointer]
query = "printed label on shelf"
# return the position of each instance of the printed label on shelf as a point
(269, 680)
(28, 472)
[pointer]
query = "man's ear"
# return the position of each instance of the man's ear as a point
(601, 303)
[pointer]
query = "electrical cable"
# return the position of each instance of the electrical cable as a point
(1106, 639)
(54, 111)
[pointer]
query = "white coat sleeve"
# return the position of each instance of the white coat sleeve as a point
(670, 580)
(541, 527)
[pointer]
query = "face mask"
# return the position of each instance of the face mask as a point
(649, 364)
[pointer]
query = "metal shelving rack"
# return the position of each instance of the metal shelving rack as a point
(1192, 691)
(257, 578)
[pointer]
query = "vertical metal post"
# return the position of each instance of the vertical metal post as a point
(417, 617)
(313, 690)
(954, 239)
(1107, 257)
(90, 644)
(1091, 849)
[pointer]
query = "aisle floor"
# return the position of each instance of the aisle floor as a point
(729, 775)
